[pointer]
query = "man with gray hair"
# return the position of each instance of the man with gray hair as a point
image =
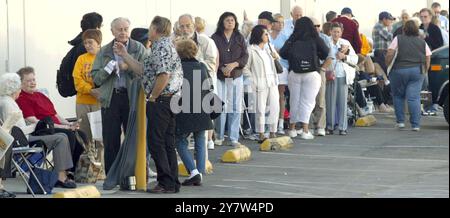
(289, 25)
(114, 78)
(207, 51)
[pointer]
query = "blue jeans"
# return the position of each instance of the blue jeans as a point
(406, 85)
(232, 93)
(200, 151)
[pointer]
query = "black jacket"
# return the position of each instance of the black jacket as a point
(192, 120)
(434, 38)
(229, 52)
(291, 46)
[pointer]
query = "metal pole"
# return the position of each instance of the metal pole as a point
(141, 151)
(285, 8)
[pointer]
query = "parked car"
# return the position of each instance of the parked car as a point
(438, 78)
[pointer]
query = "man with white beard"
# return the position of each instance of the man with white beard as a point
(207, 53)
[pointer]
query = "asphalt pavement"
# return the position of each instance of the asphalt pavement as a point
(372, 162)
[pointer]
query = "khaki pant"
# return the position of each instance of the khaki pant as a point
(319, 115)
(95, 147)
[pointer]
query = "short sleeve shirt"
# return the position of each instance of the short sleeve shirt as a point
(163, 59)
(37, 105)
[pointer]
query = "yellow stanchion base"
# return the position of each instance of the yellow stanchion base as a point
(83, 192)
(237, 155)
(276, 144)
(366, 121)
(183, 172)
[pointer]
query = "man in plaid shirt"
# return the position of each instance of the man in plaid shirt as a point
(382, 37)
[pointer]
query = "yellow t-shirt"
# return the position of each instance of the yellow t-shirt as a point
(83, 79)
(365, 45)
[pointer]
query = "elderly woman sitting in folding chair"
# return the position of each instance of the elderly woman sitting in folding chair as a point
(10, 88)
(3, 192)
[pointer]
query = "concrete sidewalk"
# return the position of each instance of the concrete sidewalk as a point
(379, 161)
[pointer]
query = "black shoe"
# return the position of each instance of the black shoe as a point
(194, 181)
(342, 132)
(260, 141)
(161, 190)
(66, 184)
(330, 132)
(71, 175)
(6, 194)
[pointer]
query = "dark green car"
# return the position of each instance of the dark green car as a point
(438, 78)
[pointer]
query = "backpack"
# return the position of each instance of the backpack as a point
(303, 56)
(64, 76)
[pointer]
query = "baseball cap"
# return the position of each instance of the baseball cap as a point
(139, 34)
(347, 10)
(385, 15)
(267, 15)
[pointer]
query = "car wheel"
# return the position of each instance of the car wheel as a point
(446, 109)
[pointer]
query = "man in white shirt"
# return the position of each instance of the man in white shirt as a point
(296, 13)
(437, 10)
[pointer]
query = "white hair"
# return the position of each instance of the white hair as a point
(188, 16)
(296, 7)
(9, 84)
(119, 19)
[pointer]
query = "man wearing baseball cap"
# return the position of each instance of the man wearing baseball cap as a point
(351, 32)
(382, 37)
(266, 19)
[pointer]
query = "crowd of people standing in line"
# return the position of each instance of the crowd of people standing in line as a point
(281, 71)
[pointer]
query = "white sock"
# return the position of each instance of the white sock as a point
(281, 124)
(194, 173)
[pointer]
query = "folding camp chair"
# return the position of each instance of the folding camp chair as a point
(22, 141)
(246, 115)
(21, 152)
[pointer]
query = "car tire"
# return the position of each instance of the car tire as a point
(446, 109)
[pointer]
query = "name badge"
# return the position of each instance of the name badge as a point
(110, 67)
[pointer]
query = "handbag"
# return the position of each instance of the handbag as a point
(95, 121)
(88, 169)
(216, 105)
(47, 179)
(45, 126)
(278, 66)
(330, 74)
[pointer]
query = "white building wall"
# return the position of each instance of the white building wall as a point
(38, 30)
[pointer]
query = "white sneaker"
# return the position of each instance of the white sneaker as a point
(416, 129)
(248, 131)
(293, 133)
(281, 131)
(299, 131)
(307, 136)
(151, 173)
(236, 144)
(400, 125)
(253, 137)
(218, 142)
(210, 145)
(321, 132)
